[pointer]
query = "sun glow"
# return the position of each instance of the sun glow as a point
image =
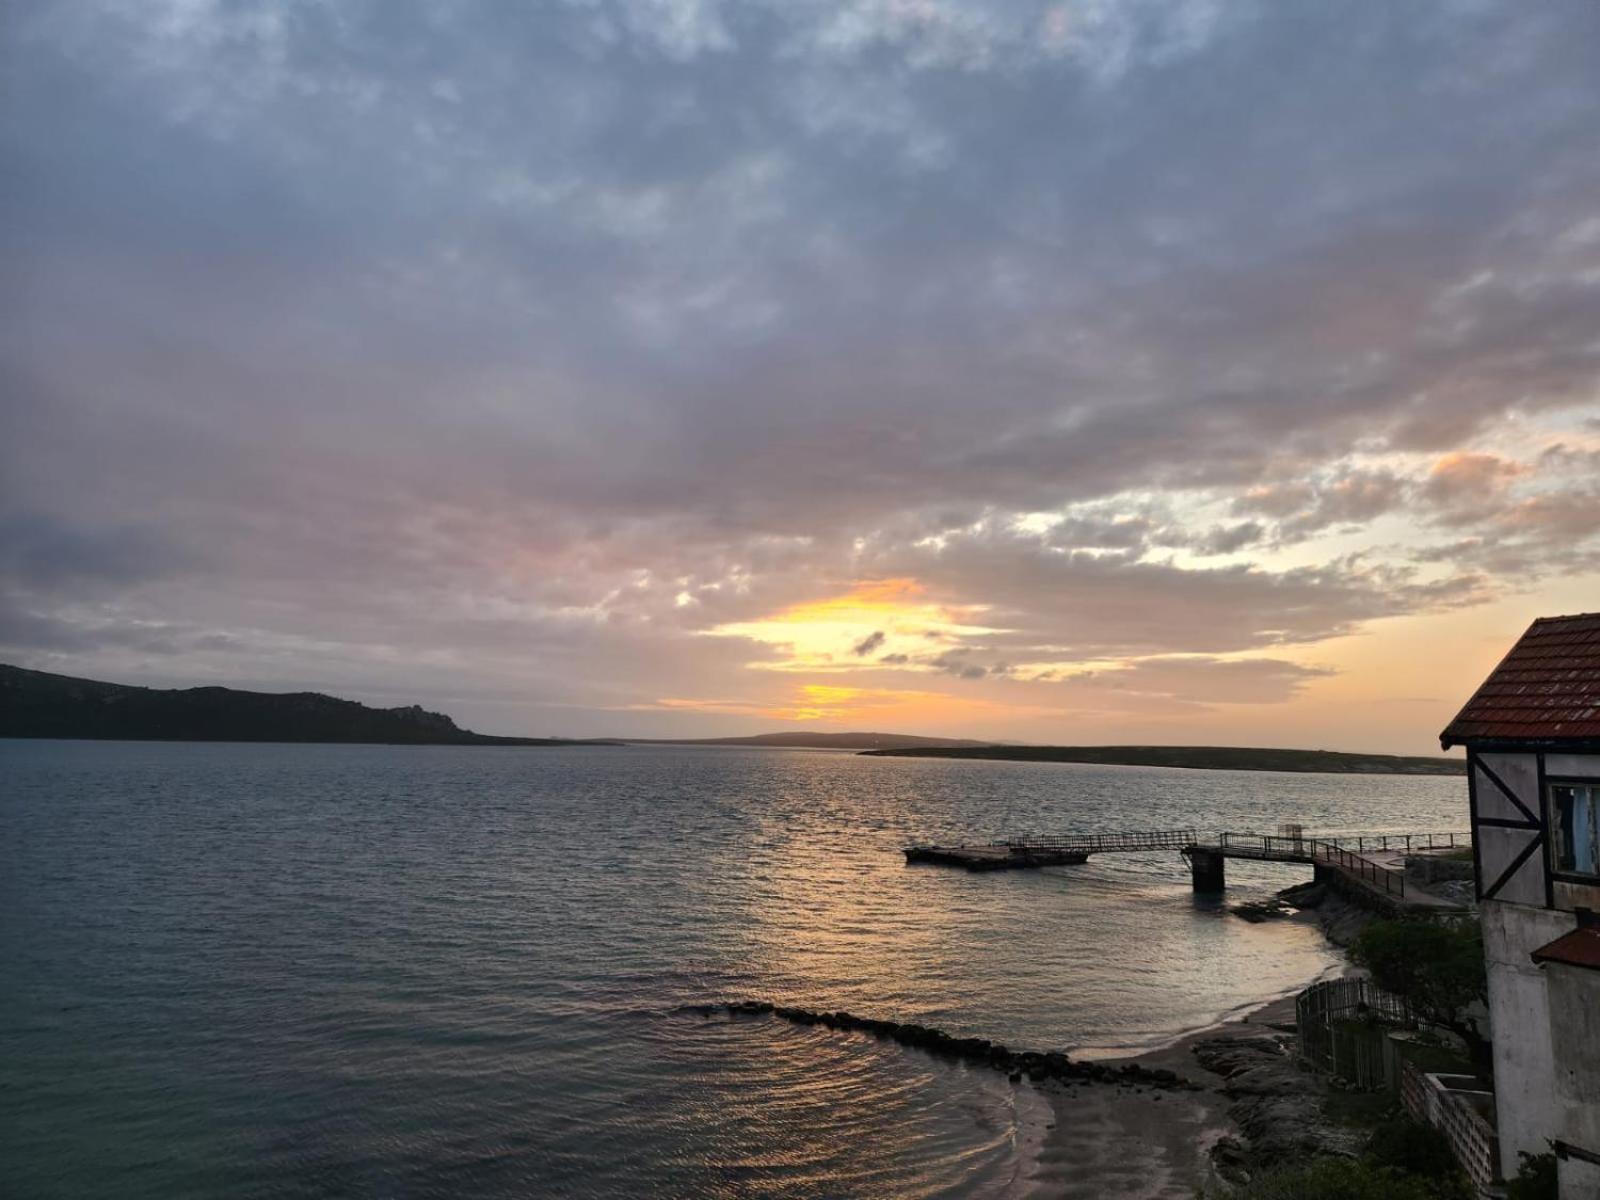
(876, 622)
(824, 702)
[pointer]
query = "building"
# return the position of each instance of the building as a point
(1532, 735)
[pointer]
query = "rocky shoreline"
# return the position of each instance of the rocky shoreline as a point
(1036, 1066)
(1274, 1102)
(1255, 1106)
(1259, 1108)
(1339, 918)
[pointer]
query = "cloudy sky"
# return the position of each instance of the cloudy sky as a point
(1059, 370)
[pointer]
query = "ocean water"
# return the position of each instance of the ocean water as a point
(283, 971)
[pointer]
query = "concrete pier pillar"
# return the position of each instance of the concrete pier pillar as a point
(1207, 869)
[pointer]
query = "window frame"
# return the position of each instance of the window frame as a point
(1552, 833)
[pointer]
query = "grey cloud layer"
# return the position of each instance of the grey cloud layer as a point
(485, 325)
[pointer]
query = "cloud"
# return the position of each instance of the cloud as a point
(513, 349)
(1469, 484)
(42, 552)
(1094, 606)
(1212, 680)
(868, 644)
(954, 662)
(1226, 539)
(1343, 496)
(1524, 520)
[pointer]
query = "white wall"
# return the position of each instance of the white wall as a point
(1579, 1180)
(1587, 765)
(1573, 996)
(1499, 847)
(1547, 1037)
(1527, 1106)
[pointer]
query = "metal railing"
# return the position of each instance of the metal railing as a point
(1391, 881)
(1348, 853)
(1404, 841)
(1304, 849)
(1329, 1021)
(1090, 843)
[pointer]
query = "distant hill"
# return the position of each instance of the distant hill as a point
(1210, 758)
(819, 741)
(36, 704)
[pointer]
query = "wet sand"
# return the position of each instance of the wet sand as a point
(1124, 1142)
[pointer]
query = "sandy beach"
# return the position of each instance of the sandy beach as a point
(1129, 1141)
(1126, 1141)
(1132, 1142)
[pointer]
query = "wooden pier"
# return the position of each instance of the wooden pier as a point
(1373, 863)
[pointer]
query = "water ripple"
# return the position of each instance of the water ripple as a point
(266, 971)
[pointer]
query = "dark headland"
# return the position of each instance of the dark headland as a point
(35, 704)
(1207, 758)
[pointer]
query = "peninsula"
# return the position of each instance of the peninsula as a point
(1207, 758)
(36, 704)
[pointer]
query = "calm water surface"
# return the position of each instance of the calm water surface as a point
(263, 971)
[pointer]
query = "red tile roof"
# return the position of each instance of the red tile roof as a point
(1547, 689)
(1580, 948)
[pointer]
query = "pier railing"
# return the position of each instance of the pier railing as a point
(1347, 853)
(1391, 881)
(1328, 850)
(1408, 841)
(1091, 843)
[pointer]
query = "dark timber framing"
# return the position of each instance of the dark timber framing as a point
(1535, 825)
(1544, 826)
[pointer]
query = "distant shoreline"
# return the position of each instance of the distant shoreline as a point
(1201, 758)
(38, 704)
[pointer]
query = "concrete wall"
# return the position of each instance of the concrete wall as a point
(1579, 1180)
(1545, 1022)
(1572, 896)
(1573, 997)
(1528, 1106)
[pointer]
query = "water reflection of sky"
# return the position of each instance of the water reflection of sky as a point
(428, 971)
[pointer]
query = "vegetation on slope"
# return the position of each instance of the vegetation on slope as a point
(1436, 966)
(36, 704)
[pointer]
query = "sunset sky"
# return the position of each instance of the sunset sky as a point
(1086, 371)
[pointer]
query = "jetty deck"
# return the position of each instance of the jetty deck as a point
(1068, 850)
(1373, 863)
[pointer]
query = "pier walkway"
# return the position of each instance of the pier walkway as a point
(1374, 863)
(1048, 851)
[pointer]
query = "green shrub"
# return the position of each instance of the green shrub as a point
(1536, 1180)
(1436, 966)
(1404, 1160)
(1412, 1148)
(1330, 1179)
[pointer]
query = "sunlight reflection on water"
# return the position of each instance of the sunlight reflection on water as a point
(268, 970)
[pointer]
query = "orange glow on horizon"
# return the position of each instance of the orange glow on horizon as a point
(825, 702)
(856, 629)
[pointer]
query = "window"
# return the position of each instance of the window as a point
(1575, 816)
